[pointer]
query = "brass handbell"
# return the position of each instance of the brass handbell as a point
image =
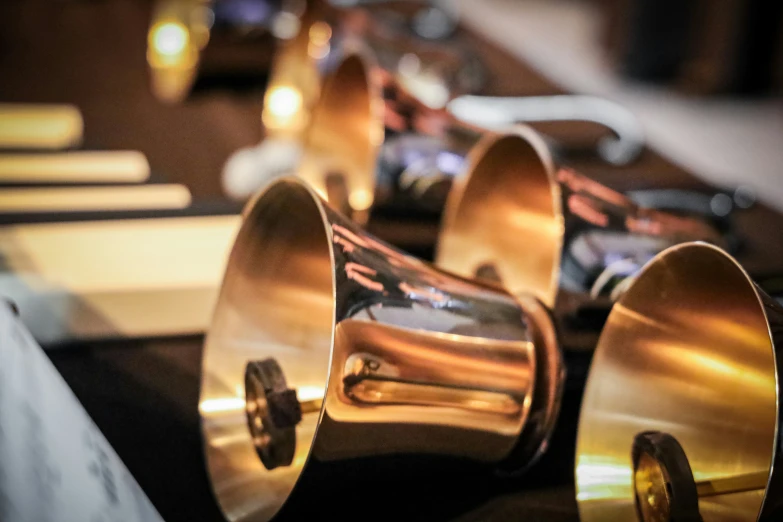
(328, 345)
(681, 414)
(518, 217)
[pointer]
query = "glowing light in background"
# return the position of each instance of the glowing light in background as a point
(284, 102)
(320, 34)
(170, 38)
(225, 404)
(360, 199)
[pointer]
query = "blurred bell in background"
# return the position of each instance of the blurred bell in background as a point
(546, 148)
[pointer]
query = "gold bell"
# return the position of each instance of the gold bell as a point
(329, 345)
(681, 412)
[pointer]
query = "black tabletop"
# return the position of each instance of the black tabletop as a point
(144, 397)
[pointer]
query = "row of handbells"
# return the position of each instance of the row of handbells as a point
(329, 346)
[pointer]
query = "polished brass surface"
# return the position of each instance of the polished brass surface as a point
(690, 349)
(733, 484)
(383, 353)
(119, 166)
(505, 218)
(517, 217)
(27, 126)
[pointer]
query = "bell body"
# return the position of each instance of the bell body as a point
(518, 218)
(692, 349)
(330, 345)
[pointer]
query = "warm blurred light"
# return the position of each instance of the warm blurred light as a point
(317, 52)
(170, 38)
(74, 167)
(284, 101)
(25, 126)
(310, 393)
(360, 199)
(223, 404)
(320, 33)
(65, 199)
(283, 108)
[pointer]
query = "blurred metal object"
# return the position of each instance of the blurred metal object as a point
(74, 167)
(690, 350)
(55, 464)
(364, 113)
(328, 345)
(115, 278)
(569, 231)
(433, 78)
(621, 148)
(25, 126)
(446, 76)
(81, 199)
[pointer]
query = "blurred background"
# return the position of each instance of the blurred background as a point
(704, 79)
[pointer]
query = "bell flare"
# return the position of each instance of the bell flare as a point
(690, 352)
(517, 217)
(503, 219)
(330, 345)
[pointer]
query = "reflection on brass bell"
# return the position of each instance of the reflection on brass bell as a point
(680, 415)
(329, 345)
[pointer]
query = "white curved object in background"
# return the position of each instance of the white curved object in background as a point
(724, 141)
